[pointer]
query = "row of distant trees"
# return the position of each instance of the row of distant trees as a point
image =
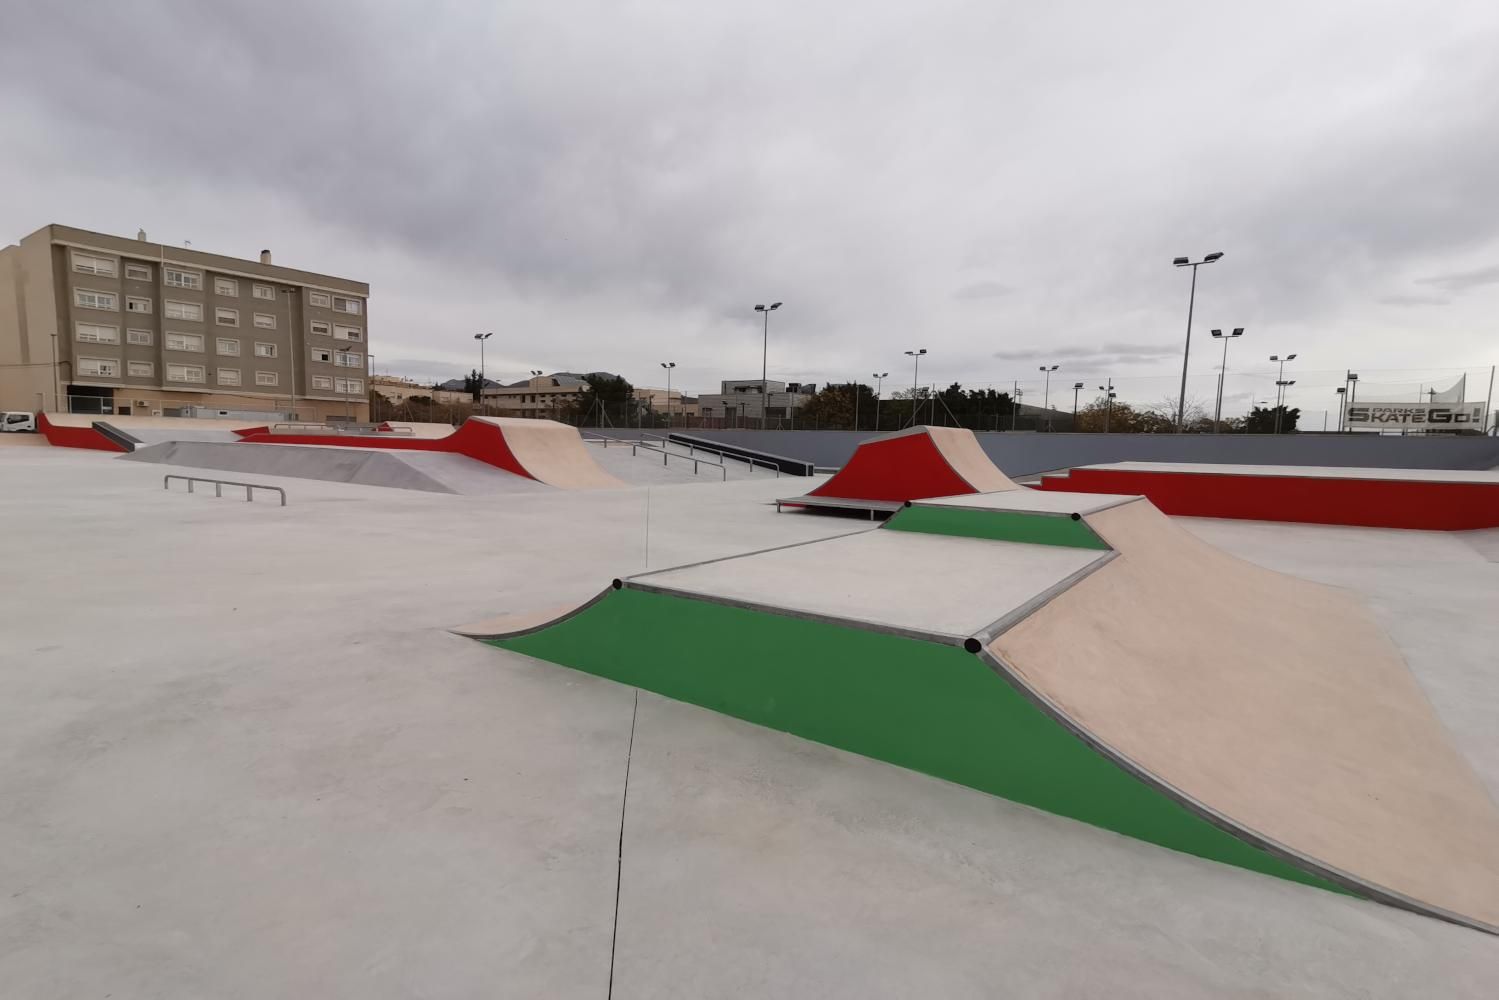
(852, 406)
(608, 400)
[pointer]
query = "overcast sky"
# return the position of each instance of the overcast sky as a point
(611, 185)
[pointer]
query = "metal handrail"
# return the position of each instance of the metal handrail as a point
(300, 425)
(666, 457)
(692, 449)
(219, 484)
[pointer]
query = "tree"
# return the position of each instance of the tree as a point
(605, 398)
(1261, 420)
(837, 405)
(473, 384)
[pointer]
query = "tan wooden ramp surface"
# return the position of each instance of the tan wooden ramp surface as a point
(1277, 703)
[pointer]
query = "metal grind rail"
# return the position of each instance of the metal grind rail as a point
(693, 449)
(219, 484)
(666, 455)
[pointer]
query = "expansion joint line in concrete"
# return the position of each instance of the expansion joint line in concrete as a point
(619, 863)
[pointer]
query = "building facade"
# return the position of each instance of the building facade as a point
(92, 323)
(662, 401)
(751, 402)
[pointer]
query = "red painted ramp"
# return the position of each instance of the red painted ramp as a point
(544, 450)
(914, 464)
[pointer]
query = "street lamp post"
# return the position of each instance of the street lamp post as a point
(1015, 406)
(668, 365)
(1181, 406)
(1281, 383)
(879, 378)
(1046, 393)
(1108, 412)
(916, 368)
(1280, 398)
(1076, 388)
(1238, 331)
(481, 338)
(764, 362)
(1350, 382)
(1342, 394)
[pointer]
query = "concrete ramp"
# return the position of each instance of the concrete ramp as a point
(1083, 655)
(431, 473)
(912, 464)
(542, 450)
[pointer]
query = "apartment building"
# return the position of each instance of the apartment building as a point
(92, 323)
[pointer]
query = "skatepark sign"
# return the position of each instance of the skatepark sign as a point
(1437, 416)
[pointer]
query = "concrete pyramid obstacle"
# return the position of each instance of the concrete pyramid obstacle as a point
(1082, 654)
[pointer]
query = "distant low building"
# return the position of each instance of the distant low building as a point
(541, 396)
(675, 402)
(397, 390)
(754, 401)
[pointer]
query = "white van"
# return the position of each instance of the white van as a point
(13, 420)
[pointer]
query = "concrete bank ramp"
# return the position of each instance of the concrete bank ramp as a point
(431, 472)
(1084, 655)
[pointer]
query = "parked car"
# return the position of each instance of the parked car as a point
(15, 421)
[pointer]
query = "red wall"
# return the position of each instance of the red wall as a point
(1374, 503)
(74, 437)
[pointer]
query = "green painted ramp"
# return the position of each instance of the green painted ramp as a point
(927, 706)
(997, 525)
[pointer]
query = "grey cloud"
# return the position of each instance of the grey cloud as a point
(634, 180)
(1094, 355)
(1413, 300)
(982, 290)
(1461, 281)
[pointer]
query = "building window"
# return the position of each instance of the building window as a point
(228, 376)
(137, 272)
(140, 369)
(140, 338)
(319, 327)
(348, 385)
(186, 373)
(136, 304)
(322, 382)
(85, 298)
(322, 299)
(322, 354)
(226, 286)
(98, 367)
(350, 306)
(87, 263)
(226, 317)
(174, 278)
(93, 333)
(347, 333)
(185, 342)
(263, 350)
(267, 378)
(266, 292)
(348, 359)
(226, 346)
(183, 310)
(265, 321)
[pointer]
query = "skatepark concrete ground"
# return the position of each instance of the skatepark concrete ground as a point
(241, 756)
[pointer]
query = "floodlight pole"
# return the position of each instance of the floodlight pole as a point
(879, 389)
(1181, 405)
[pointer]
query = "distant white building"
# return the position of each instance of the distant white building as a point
(753, 401)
